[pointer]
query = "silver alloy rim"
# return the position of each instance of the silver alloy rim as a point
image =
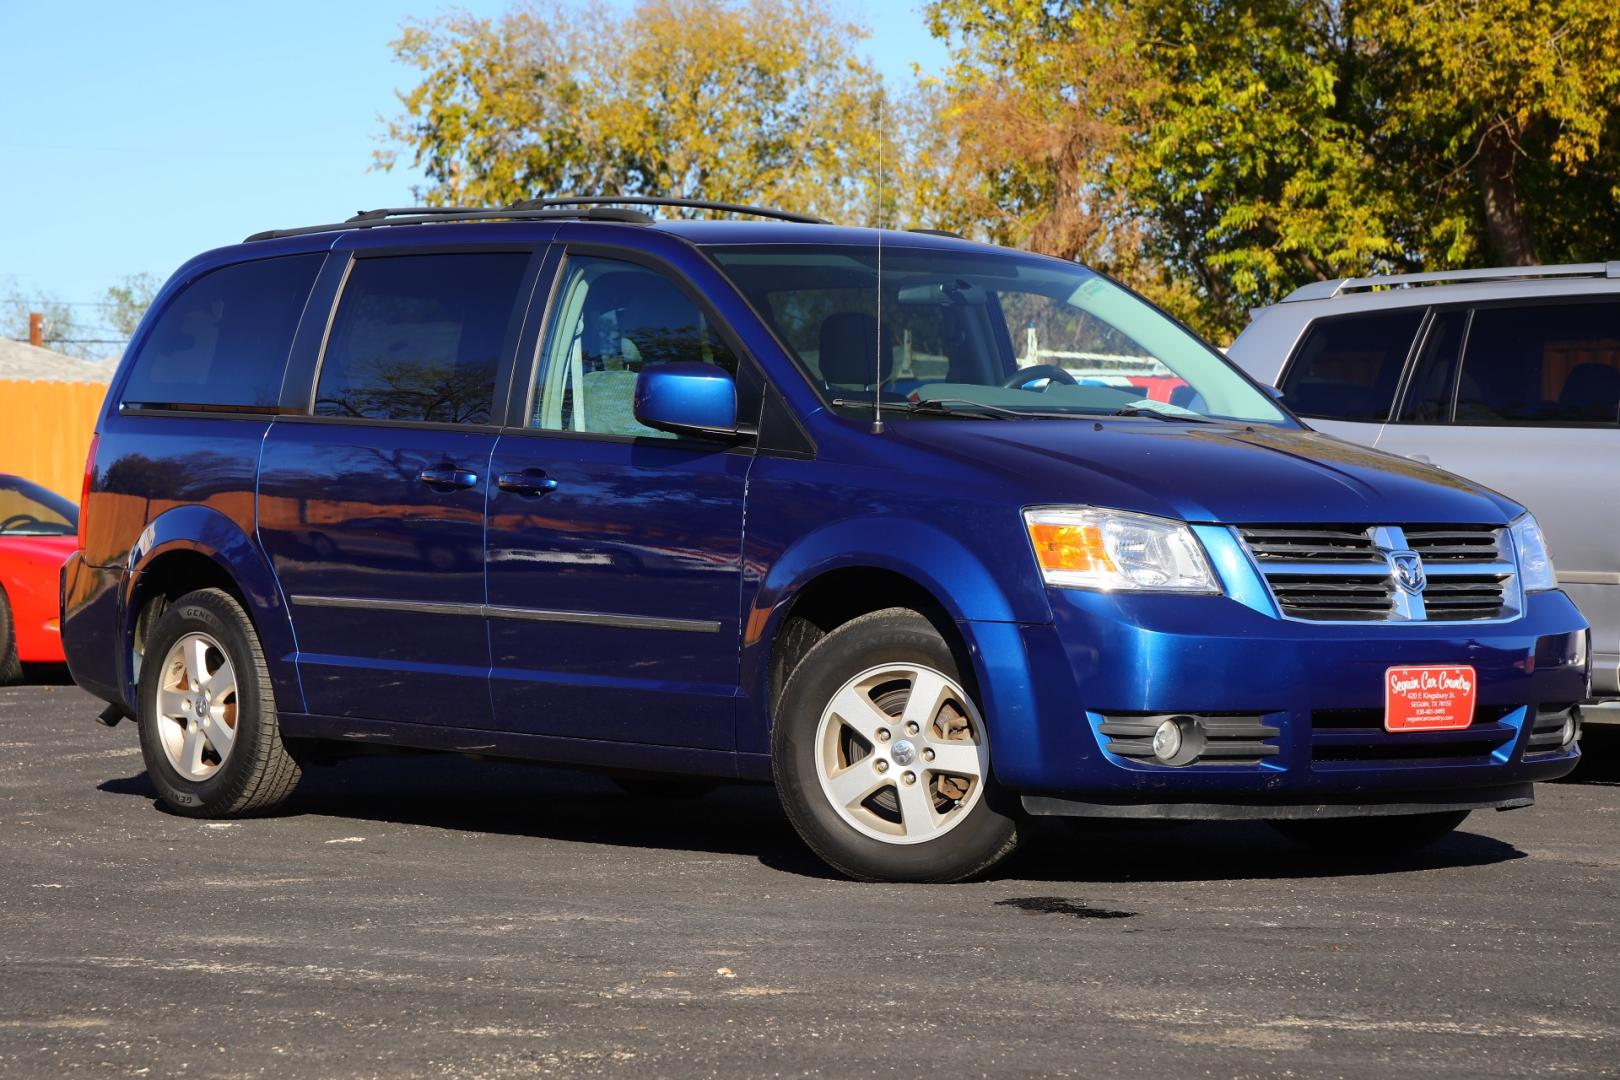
(196, 706)
(901, 753)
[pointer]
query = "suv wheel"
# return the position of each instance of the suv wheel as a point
(882, 759)
(207, 715)
(1371, 835)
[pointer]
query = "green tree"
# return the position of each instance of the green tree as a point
(127, 302)
(64, 332)
(736, 100)
(1504, 114)
(1219, 154)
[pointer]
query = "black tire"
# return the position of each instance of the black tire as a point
(664, 785)
(259, 774)
(10, 666)
(1371, 836)
(986, 836)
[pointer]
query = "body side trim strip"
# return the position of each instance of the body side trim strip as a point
(495, 611)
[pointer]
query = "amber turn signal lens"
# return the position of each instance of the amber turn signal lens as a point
(1070, 547)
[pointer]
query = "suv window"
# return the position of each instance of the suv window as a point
(1548, 364)
(1428, 398)
(611, 319)
(1348, 367)
(418, 337)
(224, 340)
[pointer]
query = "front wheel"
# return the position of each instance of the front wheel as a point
(207, 716)
(1362, 836)
(882, 759)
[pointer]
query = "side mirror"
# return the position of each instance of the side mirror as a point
(687, 399)
(1274, 391)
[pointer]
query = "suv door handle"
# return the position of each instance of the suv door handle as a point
(449, 477)
(530, 482)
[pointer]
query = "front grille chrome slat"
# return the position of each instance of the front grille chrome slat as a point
(1344, 573)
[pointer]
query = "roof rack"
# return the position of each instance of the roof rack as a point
(421, 215)
(1327, 290)
(654, 200)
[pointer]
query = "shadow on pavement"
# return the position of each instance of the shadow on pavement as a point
(1600, 757)
(44, 675)
(504, 798)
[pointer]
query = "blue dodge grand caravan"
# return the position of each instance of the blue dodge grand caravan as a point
(934, 535)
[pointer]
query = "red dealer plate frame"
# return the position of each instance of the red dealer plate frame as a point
(1434, 697)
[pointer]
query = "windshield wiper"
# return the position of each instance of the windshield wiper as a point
(939, 407)
(1175, 418)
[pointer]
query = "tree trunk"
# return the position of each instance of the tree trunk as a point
(1506, 229)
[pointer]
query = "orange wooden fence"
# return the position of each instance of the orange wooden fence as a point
(45, 430)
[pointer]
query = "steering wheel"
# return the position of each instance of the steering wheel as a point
(18, 519)
(1021, 378)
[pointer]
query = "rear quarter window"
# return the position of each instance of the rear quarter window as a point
(1348, 367)
(223, 341)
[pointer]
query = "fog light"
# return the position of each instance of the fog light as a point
(1167, 740)
(1572, 727)
(1179, 740)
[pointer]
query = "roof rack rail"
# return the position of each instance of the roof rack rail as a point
(654, 200)
(421, 215)
(920, 231)
(1327, 290)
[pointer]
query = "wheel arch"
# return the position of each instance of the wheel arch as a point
(196, 547)
(836, 574)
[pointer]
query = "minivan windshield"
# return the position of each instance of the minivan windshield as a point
(971, 333)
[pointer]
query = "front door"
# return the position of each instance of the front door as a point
(615, 551)
(371, 507)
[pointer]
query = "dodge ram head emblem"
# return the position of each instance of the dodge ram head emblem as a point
(1408, 569)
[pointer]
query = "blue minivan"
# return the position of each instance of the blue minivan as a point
(934, 535)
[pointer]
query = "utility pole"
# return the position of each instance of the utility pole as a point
(36, 329)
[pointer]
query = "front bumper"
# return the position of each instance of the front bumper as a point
(1050, 689)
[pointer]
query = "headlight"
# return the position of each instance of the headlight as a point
(1535, 564)
(1080, 547)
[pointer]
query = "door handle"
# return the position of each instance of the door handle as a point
(531, 482)
(448, 477)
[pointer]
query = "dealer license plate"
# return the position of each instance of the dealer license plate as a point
(1439, 698)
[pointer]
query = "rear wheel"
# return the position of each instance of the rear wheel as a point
(207, 715)
(10, 666)
(881, 756)
(1371, 835)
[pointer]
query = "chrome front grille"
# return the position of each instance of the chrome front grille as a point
(1386, 573)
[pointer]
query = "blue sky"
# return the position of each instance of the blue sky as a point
(137, 135)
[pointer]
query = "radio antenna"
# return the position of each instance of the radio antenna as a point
(877, 351)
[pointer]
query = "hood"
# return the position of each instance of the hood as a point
(1209, 473)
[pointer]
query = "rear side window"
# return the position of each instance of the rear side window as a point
(224, 340)
(1550, 364)
(419, 337)
(1348, 367)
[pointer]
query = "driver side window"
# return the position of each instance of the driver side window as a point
(611, 320)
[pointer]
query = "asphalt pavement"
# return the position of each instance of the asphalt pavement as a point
(439, 917)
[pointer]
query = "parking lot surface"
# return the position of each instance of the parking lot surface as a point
(437, 917)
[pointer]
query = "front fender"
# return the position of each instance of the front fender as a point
(963, 586)
(211, 534)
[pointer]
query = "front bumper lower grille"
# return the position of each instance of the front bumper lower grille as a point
(1386, 573)
(1358, 735)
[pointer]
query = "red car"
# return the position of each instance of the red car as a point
(38, 531)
